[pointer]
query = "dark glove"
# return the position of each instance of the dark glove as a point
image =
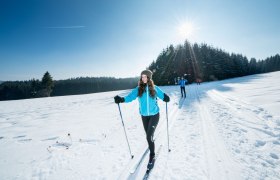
(166, 98)
(118, 99)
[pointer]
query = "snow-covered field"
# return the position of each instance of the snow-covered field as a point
(223, 130)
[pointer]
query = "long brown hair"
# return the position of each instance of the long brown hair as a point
(142, 87)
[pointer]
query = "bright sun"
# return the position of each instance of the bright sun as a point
(185, 30)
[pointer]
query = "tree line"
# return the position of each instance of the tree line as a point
(192, 61)
(12, 90)
(85, 85)
(206, 63)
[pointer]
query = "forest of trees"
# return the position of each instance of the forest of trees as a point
(12, 90)
(84, 85)
(206, 63)
(191, 61)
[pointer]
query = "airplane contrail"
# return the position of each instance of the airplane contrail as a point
(65, 27)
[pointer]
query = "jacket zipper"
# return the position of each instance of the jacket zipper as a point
(148, 101)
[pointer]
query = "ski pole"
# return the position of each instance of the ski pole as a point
(167, 129)
(125, 131)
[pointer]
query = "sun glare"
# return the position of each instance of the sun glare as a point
(185, 30)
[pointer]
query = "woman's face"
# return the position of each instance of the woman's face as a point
(144, 78)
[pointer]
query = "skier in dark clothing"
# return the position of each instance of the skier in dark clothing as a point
(147, 94)
(198, 81)
(182, 84)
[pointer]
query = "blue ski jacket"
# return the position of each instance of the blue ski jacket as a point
(147, 104)
(183, 82)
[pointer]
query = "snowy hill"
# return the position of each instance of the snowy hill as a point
(223, 130)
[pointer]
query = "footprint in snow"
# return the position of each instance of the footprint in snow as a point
(24, 140)
(21, 136)
(256, 111)
(260, 143)
(267, 117)
(274, 156)
(237, 151)
(51, 138)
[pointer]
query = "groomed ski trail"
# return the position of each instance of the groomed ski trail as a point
(205, 155)
(220, 163)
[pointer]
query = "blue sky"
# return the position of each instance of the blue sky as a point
(121, 38)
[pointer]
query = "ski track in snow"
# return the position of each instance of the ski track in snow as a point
(199, 154)
(250, 133)
(186, 150)
(223, 130)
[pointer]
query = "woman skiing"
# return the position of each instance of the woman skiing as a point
(147, 94)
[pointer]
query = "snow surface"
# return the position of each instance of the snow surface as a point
(223, 130)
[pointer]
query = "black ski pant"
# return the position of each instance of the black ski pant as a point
(183, 90)
(150, 123)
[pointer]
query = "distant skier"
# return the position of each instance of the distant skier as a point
(182, 84)
(147, 94)
(198, 81)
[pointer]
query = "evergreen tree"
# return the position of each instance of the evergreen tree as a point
(47, 84)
